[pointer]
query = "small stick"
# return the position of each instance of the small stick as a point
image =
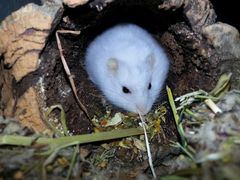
(213, 106)
(70, 77)
(148, 147)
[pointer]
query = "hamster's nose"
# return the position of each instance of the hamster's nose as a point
(142, 109)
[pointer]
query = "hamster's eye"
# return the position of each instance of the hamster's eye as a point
(149, 86)
(125, 90)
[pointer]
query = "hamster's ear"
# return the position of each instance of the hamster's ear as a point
(151, 60)
(112, 65)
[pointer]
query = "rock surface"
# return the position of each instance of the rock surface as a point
(23, 36)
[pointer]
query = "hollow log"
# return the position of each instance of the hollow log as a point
(32, 76)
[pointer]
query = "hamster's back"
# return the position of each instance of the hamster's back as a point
(119, 42)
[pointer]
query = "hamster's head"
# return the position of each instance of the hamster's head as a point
(133, 87)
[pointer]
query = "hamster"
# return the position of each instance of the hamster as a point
(129, 66)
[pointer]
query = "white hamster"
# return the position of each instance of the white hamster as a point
(128, 66)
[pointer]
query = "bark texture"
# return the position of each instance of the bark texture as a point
(32, 77)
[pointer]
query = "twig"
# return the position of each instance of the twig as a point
(62, 119)
(74, 157)
(70, 77)
(68, 140)
(213, 106)
(148, 147)
(184, 149)
(176, 117)
(222, 85)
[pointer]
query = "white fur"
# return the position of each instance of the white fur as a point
(121, 56)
